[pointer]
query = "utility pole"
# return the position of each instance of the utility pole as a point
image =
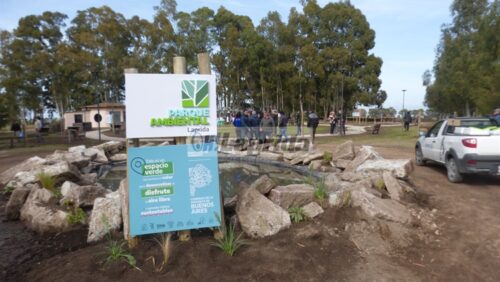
(404, 91)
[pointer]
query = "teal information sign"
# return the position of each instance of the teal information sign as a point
(173, 188)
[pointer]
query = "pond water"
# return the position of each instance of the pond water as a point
(231, 176)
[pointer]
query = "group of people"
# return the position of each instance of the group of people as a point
(250, 125)
(337, 122)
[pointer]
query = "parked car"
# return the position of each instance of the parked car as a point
(463, 145)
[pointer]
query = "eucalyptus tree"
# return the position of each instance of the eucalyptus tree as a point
(466, 67)
(102, 34)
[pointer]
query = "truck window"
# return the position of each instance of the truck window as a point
(433, 132)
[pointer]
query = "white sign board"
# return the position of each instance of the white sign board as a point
(169, 105)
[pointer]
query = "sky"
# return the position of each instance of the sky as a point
(406, 31)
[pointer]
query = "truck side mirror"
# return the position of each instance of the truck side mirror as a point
(421, 134)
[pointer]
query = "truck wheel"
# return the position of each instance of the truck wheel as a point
(452, 171)
(419, 157)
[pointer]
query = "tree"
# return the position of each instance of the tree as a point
(465, 71)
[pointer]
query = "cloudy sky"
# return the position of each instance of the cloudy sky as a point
(407, 31)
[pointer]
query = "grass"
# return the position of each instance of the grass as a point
(346, 199)
(379, 184)
(291, 130)
(320, 192)
(296, 214)
(116, 252)
(389, 136)
(230, 242)
(327, 157)
(76, 216)
(48, 182)
(8, 190)
(166, 249)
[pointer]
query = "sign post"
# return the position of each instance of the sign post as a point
(172, 188)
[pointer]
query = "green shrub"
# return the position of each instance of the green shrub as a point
(76, 216)
(230, 242)
(116, 252)
(327, 157)
(379, 184)
(320, 192)
(48, 182)
(296, 214)
(8, 190)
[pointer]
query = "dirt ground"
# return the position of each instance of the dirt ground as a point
(341, 245)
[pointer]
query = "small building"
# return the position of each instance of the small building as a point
(111, 113)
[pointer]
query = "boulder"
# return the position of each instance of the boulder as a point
(230, 203)
(398, 168)
(344, 151)
(111, 147)
(17, 200)
(38, 216)
(258, 216)
(381, 208)
(77, 149)
(293, 195)
(364, 154)
(88, 178)
(61, 171)
(312, 210)
(312, 156)
(297, 160)
(96, 155)
(263, 184)
(229, 166)
(82, 196)
(118, 158)
(106, 216)
(315, 165)
(271, 156)
(27, 165)
(331, 181)
(342, 164)
(292, 155)
(75, 158)
(392, 185)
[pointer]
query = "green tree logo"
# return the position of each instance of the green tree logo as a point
(195, 94)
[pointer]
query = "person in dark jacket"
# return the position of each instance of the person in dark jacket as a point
(312, 124)
(254, 124)
(407, 121)
(341, 120)
(298, 123)
(283, 123)
(266, 128)
(237, 127)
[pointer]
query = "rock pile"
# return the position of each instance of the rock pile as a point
(358, 178)
(71, 185)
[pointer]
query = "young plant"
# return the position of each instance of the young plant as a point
(346, 199)
(231, 241)
(379, 184)
(116, 252)
(320, 192)
(166, 249)
(327, 157)
(48, 182)
(76, 216)
(7, 190)
(296, 214)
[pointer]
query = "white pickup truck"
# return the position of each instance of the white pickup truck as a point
(463, 145)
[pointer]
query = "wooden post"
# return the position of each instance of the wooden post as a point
(180, 68)
(132, 241)
(204, 68)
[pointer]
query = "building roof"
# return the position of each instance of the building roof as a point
(106, 105)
